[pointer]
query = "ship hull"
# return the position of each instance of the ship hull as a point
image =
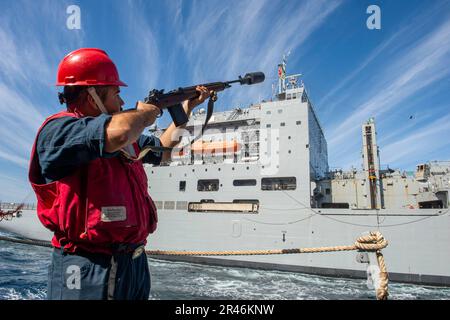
(414, 253)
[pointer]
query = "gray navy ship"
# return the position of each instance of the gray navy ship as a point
(259, 179)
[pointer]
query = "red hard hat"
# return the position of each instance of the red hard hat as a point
(88, 67)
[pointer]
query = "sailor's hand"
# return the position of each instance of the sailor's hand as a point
(151, 111)
(204, 94)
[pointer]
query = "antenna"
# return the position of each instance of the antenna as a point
(286, 55)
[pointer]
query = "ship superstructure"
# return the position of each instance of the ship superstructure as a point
(374, 188)
(246, 156)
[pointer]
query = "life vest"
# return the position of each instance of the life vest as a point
(102, 203)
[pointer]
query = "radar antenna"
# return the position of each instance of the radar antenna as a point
(287, 82)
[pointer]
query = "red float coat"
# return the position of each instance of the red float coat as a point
(102, 203)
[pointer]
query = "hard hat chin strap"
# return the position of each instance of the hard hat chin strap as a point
(128, 150)
(98, 102)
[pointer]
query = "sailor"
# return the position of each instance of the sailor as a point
(91, 186)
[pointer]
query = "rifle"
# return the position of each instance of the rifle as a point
(172, 100)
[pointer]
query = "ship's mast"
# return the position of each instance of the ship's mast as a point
(286, 82)
(282, 75)
(371, 162)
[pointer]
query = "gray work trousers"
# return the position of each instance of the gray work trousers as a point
(92, 276)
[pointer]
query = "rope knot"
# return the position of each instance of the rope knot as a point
(372, 242)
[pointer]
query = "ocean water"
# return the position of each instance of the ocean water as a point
(23, 276)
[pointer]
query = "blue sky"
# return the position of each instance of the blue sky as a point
(400, 74)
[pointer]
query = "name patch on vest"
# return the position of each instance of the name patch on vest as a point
(111, 214)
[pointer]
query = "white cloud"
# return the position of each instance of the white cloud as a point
(144, 43)
(20, 119)
(337, 100)
(419, 143)
(33, 38)
(246, 36)
(411, 26)
(422, 66)
(13, 189)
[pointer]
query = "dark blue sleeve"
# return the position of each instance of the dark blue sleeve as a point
(150, 157)
(66, 143)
